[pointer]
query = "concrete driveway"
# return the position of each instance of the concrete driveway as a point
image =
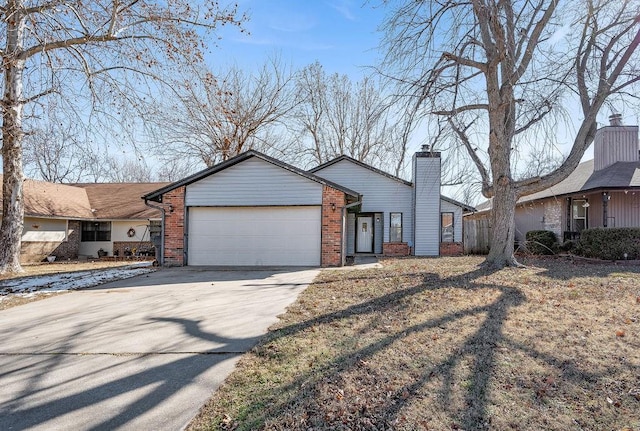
(137, 354)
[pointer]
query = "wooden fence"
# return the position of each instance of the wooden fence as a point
(477, 234)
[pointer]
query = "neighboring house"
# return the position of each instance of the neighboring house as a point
(255, 210)
(603, 192)
(71, 221)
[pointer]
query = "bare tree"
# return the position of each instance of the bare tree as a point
(498, 71)
(103, 48)
(338, 117)
(50, 153)
(215, 117)
(127, 170)
(57, 146)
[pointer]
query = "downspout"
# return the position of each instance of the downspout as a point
(161, 261)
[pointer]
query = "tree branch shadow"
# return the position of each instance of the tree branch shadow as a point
(480, 348)
(37, 403)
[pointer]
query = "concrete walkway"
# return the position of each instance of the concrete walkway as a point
(138, 354)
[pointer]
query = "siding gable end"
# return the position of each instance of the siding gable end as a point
(254, 182)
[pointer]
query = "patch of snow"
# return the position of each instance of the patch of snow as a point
(53, 283)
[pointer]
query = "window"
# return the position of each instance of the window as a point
(580, 211)
(96, 231)
(446, 227)
(395, 227)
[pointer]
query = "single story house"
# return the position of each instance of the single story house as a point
(602, 192)
(254, 210)
(72, 221)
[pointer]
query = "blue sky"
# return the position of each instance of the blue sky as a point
(340, 34)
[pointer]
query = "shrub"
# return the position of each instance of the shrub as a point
(568, 245)
(541, 241)
(610, 243)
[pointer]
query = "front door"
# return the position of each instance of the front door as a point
(364, 234)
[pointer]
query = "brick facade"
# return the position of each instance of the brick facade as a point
(173, 202)
(451, 249)
(69, 249)
(396, 249)
(333, 202)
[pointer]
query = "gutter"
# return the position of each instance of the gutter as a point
(161, 260)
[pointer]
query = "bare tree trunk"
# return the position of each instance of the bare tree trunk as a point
(502, 226)
(12, 135)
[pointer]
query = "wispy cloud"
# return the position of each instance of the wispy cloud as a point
(292, 23)
(344, 8)
(265, 41)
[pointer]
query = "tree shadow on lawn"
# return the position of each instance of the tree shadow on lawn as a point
(566, 267)
(479, 349)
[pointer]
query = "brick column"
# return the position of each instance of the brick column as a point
(174, 227)
(451, 249)
(333, 201)
(396, 249)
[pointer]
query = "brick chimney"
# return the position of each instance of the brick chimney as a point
(615, 143)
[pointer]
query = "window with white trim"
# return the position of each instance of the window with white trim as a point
(446, 227)
(395, 227)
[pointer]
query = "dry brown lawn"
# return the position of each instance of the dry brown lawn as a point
(440, 344)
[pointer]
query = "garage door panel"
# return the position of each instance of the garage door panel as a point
(256, 236)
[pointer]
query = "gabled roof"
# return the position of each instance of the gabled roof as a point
(157, 194)
(107, 201)
(362, 164)
(116, 201)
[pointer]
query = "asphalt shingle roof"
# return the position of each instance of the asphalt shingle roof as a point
(619, 175)
(107, 201)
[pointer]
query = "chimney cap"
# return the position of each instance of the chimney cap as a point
(615, 119)
(426, 147)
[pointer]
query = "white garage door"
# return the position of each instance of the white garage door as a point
(257, 236)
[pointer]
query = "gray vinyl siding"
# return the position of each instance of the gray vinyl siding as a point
(380, 194)
(254, 182)
(351, 234)
(448, 207)
(427, 208)
(378, 224)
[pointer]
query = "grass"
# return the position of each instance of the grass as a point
(439, 344)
